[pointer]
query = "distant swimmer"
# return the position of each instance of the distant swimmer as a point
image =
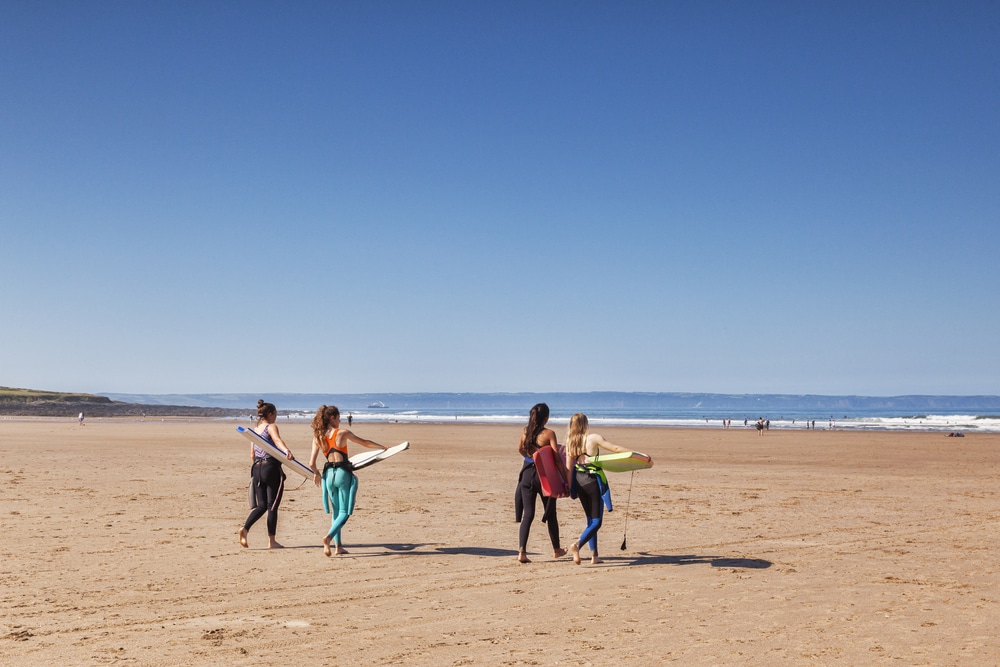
(267, 480)
(338, 481)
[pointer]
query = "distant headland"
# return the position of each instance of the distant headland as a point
(16, 402)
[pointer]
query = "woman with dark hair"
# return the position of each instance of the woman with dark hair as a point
(338, 481)
(267, 481)
(534, 437)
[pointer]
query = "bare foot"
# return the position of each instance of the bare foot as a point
(522, 558)
(340, 551)
(243, 538)
(326, 547)
(576, 552)
(275, 545)
(596, 561)
(559, 553)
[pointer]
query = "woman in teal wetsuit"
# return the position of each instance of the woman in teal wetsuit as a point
(339, 484)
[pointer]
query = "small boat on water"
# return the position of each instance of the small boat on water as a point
(376, 404)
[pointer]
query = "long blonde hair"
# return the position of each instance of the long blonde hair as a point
(576, 435)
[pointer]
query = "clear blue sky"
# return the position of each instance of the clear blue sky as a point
(769, 197)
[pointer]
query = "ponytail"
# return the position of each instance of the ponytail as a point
(321, 422)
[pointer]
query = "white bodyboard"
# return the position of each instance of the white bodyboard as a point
(370, 457)
(296, 465)
(360, 460)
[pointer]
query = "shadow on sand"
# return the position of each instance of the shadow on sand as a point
(640, 559)
(399, 547)
(478, 551)
(428, 550)
(643, 558)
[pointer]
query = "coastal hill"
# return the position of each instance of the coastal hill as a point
(16, 402)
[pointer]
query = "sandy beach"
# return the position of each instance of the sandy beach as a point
(799, 547)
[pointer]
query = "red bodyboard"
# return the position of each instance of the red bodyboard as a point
(547, 466)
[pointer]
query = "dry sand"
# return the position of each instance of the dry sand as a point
(795, 548)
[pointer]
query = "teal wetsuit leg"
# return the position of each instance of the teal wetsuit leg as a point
(343, 486)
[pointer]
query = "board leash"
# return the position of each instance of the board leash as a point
(627, 502)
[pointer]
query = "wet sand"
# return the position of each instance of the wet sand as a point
(800, 547)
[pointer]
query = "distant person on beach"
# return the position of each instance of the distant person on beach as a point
(588, 485)
(267, 480)
(80, 419)
(338, 481)
(534, 437)
(760, 426)
(350, 420)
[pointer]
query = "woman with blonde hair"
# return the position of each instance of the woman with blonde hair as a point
(267, 480)
(338, 481)
(580, 445)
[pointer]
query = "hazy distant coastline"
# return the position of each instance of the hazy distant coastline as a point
(16, 402)
(70, 409)
(558, 401)
(651, 408)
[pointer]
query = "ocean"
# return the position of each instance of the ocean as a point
(683, 419)
(965, 414)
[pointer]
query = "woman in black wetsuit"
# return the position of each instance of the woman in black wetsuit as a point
(267, 481)
(582, 445)
(534, 437)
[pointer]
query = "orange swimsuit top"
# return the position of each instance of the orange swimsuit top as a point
(331, 445)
